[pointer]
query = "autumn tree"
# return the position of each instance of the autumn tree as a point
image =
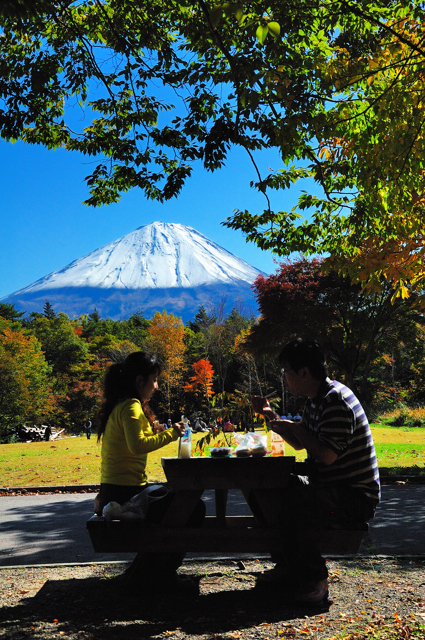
(25, 394)
(336, 88)
(353, 326)
(78, 359)
(200, 384)
(63, 347)
(408, 368)
(220, 338)
(257, 375)
(81, 401)
(166, 338)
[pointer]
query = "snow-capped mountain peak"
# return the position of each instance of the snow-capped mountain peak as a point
(154, 256)
(157, 267)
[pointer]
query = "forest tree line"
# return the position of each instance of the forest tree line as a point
(51, 366)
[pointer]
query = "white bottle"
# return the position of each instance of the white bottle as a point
(185, 444)
(278, 445)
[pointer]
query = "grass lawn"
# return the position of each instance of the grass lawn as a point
(77, 460)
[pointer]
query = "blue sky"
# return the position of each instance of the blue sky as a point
(45, 225)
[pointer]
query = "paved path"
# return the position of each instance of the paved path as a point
(51, 529)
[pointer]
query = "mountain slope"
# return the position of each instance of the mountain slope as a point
(157, 266)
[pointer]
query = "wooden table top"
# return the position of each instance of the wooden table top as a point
(228, 473)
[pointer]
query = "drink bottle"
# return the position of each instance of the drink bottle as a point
(185, 444)
(278, 445)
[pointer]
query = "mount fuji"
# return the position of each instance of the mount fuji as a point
(157, 267)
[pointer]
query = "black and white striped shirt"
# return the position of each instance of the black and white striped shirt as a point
(338, 420)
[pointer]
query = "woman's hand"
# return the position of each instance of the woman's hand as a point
(157, 428)
(180, 428)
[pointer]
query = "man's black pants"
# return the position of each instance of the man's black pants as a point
(305, 511)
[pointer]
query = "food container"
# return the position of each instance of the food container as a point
(220, 452)
(242, 453)
(259, 451)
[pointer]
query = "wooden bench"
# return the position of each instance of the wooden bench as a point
(189, 478)
(240, 534)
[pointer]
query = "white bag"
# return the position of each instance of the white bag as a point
(137, 507)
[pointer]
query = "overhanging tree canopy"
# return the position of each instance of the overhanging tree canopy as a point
(336, 87)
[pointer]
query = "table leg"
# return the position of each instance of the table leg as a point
(220, 506)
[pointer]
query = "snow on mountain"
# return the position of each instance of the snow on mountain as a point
(157, 266)
(155, 256)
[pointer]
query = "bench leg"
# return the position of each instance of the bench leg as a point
(181, 508)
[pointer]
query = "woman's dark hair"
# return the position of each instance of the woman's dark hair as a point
(300, 353)
(120, 383)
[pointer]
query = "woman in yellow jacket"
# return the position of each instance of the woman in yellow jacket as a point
(125, 428)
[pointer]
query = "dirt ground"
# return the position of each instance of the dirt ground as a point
(370, 598)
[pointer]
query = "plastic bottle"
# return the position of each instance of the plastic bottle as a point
(185, 442)
(278, 445)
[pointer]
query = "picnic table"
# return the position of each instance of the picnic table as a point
(264, 477)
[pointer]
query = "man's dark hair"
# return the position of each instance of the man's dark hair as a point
(300, 353)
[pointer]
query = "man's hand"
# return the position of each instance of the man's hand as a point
(262, 405)
(289, 431)
(259, 403)
(283, 427)
(299, 438)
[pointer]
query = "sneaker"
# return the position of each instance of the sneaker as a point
(315, 593)
(279, 576)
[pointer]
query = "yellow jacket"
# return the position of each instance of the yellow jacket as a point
(126, 441)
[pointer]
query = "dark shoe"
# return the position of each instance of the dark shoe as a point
(315, 593)
(279, 577)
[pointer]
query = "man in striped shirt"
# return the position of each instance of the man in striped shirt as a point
(343, 481)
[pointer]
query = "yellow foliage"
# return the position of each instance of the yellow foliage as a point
(166, 338)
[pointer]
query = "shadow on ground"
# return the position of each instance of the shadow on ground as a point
(99, 607)
(90, 602)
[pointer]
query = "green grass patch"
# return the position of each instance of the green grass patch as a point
(77, 460)
(400, 449)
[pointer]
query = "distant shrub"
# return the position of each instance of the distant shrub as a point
(401, 417)
(405, 417)
(417, 417)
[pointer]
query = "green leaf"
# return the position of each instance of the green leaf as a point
(261, 33)
(274, 29)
